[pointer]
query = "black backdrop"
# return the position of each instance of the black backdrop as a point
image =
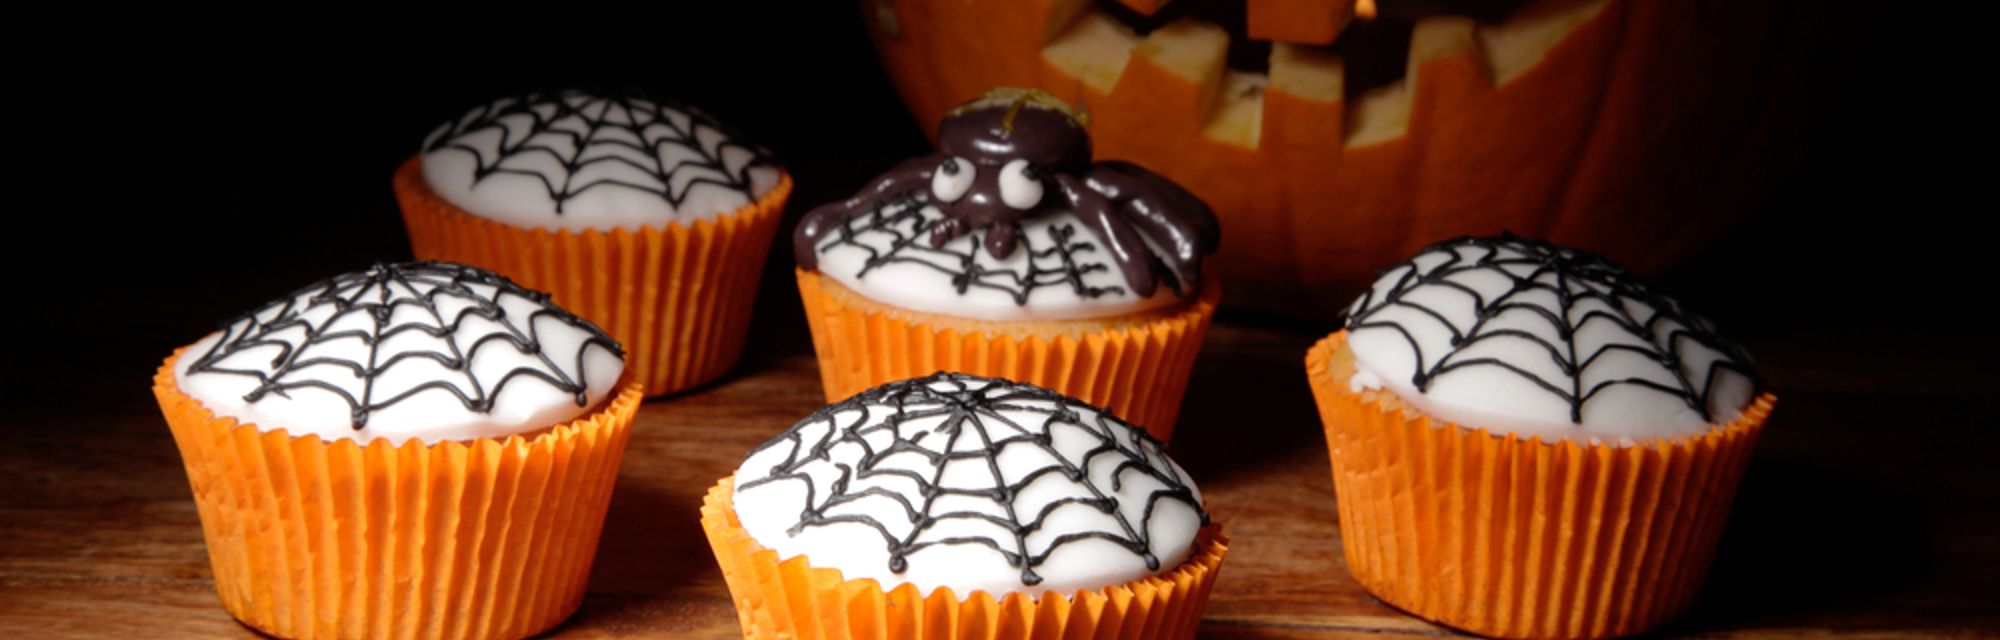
(180, 168)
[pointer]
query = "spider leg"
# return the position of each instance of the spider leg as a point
(912, 175)
(1179, 226)
(1126, 247)
(1001, 238)
(946, 230)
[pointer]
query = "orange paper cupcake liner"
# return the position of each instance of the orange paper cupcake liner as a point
(310, 539)
(794, 600)
(1139, 373)
(1517, 538)
(678, 297)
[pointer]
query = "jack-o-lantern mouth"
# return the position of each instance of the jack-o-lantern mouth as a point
(1320, 50)
(1371, 37)
(1334, 145)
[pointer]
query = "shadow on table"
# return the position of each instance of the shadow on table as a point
(1801, 540)
(652, 543)
(1244, 411)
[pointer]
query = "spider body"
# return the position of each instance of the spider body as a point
(1014, 155)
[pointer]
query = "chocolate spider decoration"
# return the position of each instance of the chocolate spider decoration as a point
(1015, 154)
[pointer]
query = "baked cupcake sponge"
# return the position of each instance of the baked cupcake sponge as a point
(1519, 538)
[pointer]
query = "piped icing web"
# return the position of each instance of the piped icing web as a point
(887, 253)
(593, 160)
(973, 484)
(1521, 335)
(429, 350)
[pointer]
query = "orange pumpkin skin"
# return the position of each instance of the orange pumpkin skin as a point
(1646, 133)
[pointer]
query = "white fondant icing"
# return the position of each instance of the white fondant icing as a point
(964, 459)
(320, 335)
(908, 273)
(615, 163)
(1513, 339)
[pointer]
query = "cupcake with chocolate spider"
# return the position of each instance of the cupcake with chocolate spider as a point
(417, 450)
(1010, 254)
(1528, 441)
(955, 506)
(648, 217)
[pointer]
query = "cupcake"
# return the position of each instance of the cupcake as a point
(955, 506)
(417, 450)
(1009, 254)
(1529, 442)
(648, 218)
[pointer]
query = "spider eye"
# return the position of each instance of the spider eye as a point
(952, 179)
(1020, 186)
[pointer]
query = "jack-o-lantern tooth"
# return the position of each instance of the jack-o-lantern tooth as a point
(1144, 7)
(1169, 89)
(1377, 115)
(1383, 113)
(1303, 100)
(1310, 73)
(1197, 52)
(1316, 22)
(1238, 115)
(1437, 37)
(1095, 49)
(1517, 45)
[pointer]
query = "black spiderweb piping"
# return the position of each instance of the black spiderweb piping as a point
(1578, 277)
(641, 124)
(970, 407)
(1053, 260)
(379, 293)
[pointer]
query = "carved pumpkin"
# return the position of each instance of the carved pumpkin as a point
(1641, 129)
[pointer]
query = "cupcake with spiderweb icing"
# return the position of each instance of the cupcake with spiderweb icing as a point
(426, 438)
(1009, 253)
(646, 216)
(1534, 415)
(967, 502)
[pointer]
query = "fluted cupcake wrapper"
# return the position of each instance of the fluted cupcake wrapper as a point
(1517, 538)
(678, 298)
(794, 600)
(1139, 373)
(310, 539)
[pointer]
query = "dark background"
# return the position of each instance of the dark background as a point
(182, 169)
